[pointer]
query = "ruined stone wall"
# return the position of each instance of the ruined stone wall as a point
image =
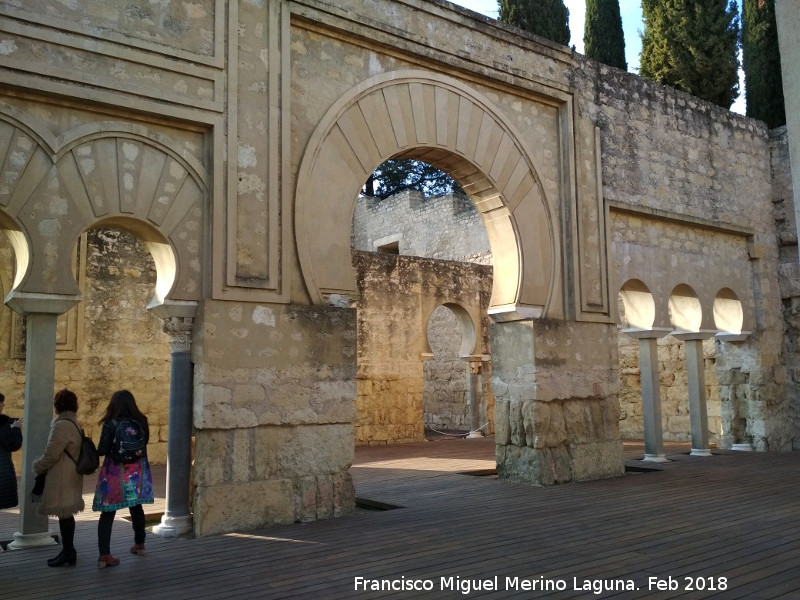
(395, 291)
(273, 414)
(425, 228)
(783, 204)
(674, 169)
(446, 228)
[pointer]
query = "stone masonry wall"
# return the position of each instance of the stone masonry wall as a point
(446, 228)
(429, 227)
(663, 150)
(273, 414)
(391, 343)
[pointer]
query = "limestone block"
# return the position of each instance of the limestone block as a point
(597, 460)
(533, 465)
(545, 421)
(344, 494)
(211, 452)
(502, 422)
(231, 507)
(324, 497)
(306, 499)
(516, 424)
(286, 452)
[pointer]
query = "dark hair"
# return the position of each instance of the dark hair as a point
(2, 397)
(65, 400)
(123, 405)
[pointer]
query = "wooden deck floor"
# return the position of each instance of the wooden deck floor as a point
(731, 520)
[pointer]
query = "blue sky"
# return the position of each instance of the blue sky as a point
(631, 11)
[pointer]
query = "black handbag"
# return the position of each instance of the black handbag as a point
(88, 459)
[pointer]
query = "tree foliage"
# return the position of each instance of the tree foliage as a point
(546, 18)
(761, 60)
(692, 45)
(396, 175)
(603, 39)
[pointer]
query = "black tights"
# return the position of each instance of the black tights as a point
(67, 528)
(106, 522)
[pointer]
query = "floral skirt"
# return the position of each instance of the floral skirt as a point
(121, 485)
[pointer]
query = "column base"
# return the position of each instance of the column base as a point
(700, 452)
(31, 540)
(173, 526)
(657, 458)
(746, 447)
(474, 435)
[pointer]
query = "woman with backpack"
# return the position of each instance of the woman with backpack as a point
(124, 479)
(62, 492)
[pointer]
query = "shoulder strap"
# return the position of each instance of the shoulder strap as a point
(79, 431)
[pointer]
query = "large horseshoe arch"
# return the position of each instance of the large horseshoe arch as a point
(415, 114)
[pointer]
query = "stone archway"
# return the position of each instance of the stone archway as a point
(104, 173)
(414, 114)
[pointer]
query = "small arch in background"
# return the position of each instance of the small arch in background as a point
(685, 311)
(638, 304)
(728, 313)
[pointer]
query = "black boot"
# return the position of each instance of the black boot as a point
(66, 557)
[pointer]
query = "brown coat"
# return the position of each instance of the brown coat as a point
(63, 489)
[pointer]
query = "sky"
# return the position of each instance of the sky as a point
(631, 12)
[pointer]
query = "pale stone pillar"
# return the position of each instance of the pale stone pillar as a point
(651, 392)
(557, 411)
(695, 374)
(787, 19)
(178, 321)
(41, 312)
(475, 395)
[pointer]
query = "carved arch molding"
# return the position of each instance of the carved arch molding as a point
(107, 173)
(430, 117)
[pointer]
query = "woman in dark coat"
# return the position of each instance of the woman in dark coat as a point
(10, 441)
(122, 484)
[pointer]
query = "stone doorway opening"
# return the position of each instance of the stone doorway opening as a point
(423, 356)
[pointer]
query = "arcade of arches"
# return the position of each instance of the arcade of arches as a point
(234, 149)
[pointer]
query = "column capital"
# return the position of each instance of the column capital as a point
(26, 303)
(643, 334)
(687, 336)
(179, 330)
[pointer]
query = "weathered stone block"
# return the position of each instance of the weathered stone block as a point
(231, 507)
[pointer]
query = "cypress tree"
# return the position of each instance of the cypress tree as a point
(761, 60)
(603, 39)
(692, 45)
(546, 18)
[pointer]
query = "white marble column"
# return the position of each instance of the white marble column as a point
(651, 392)
(41, 313)
(695, 374)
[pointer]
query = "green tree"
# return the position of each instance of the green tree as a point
(546, 18)
(603, 39)
(396, 175)
(692, 45)
(761, 60)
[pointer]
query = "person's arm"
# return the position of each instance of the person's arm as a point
(56, 444)
(106, 439)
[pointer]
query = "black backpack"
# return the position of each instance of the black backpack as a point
(130, 440)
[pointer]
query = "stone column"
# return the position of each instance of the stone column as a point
(475, 395)
(695, 373)
(651, 392)
(178, 321)
(41, 312)
(557, 411)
